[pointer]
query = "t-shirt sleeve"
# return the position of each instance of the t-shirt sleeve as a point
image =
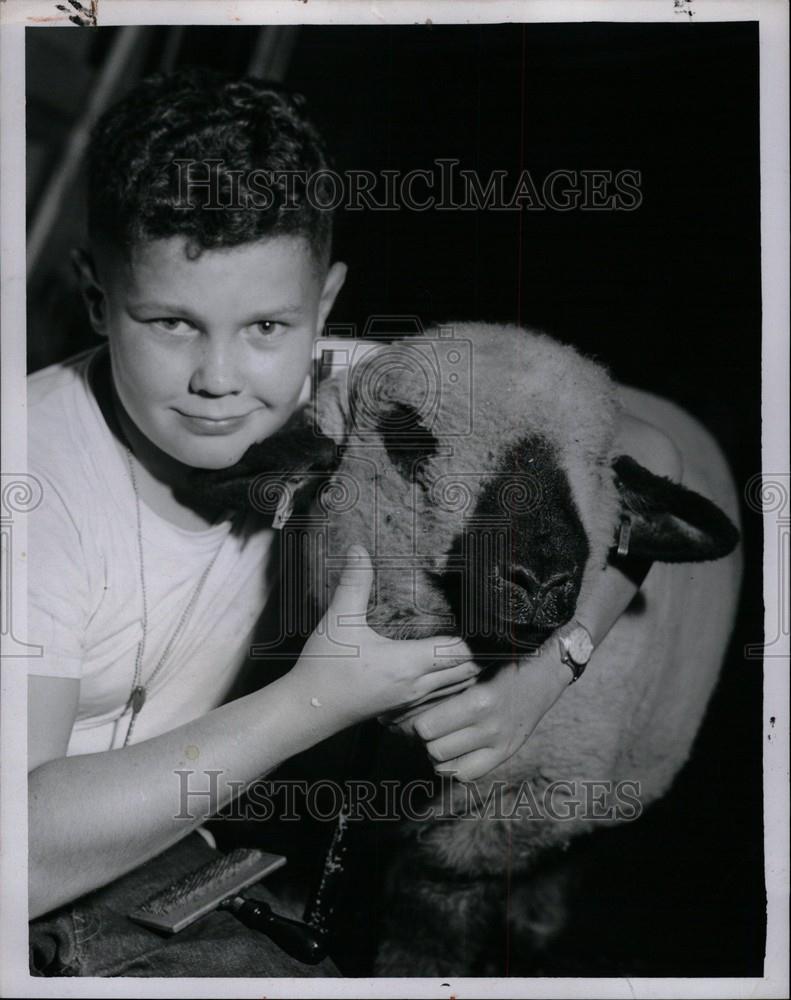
(58, 586)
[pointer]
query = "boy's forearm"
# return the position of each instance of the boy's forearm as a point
(608, 595)
(92, 818)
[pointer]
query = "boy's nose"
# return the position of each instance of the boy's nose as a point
(217, 370)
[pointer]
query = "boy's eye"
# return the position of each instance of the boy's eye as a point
(170, 325)
(268, 327)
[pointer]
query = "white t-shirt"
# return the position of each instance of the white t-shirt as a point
(84, 592)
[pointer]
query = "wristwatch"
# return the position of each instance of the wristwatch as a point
(576, 647)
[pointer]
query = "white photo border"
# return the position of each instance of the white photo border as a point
(772, 18)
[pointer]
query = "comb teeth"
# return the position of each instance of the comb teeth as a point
(200, 891)
(185, 889)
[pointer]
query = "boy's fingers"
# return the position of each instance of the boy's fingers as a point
(463, 680)
(463, 741)
(440, 712)
(434, 696)
(470, 766)
(354, 586)
(435, 681)
(399, 718)
(445, 650)
(449, 716)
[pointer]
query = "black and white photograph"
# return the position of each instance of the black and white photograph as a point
(395, 499)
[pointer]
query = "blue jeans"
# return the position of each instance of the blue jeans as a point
(94, 936)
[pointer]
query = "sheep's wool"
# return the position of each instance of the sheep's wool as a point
(636, 711)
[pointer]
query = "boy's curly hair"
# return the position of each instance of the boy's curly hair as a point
(255, 132)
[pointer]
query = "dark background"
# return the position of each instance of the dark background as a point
(667, 295)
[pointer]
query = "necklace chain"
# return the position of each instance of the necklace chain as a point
(139, 692)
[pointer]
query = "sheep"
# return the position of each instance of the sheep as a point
(488, 503)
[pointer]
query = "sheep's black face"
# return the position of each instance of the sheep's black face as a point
(522, 553)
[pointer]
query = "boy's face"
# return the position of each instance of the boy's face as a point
(213, 354)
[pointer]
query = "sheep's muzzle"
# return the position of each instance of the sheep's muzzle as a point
(520, 600)
(522, 551)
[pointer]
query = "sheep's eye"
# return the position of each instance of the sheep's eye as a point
(407, 441)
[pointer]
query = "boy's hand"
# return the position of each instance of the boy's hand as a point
(348, 669)
(469, 734)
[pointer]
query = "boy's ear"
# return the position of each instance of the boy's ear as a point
(333, 283)
(92, 292)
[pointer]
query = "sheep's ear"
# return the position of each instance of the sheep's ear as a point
(407, 441)
(666, 522)
(339, 383)
(329, 410)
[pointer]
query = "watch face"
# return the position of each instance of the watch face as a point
(578, 645)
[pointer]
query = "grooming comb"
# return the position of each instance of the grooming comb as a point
(217, 885)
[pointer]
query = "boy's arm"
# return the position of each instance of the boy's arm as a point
(609, 595)
(471, 733)
(94, 817)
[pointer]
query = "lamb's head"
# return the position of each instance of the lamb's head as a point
(475, 460)
(478, 472)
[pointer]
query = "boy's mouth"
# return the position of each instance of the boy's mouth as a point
(213, 425)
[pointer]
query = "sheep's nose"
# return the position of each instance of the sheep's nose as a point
(522, 598)
(521, 576)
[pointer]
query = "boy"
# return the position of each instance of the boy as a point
(144, 603)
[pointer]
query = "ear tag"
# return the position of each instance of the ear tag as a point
(285, 509)
(624, 536)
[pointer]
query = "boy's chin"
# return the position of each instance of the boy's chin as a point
(215, 464)
(204, 459)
